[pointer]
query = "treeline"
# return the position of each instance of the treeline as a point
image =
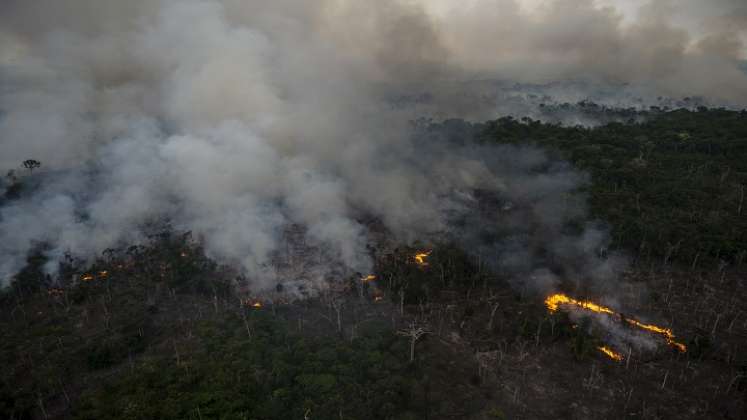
(671, 184)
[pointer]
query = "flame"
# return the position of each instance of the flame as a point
(90, 277)
(610, 353)
(253, 303)
(553, 303)
(368, 278)
(420, 258)
(666, 332)
(378, 298)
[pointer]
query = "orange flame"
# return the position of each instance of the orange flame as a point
(420, 258)
(90, 277)
(251, 303)
(666, 332)
(368, 278)
(553, 303)
(610, 353)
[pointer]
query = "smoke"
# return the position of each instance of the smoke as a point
(683, 48)
(234, 119)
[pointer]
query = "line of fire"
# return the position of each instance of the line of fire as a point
(559, 301)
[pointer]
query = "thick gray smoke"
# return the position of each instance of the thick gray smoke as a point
(674, 48)
(235, 118)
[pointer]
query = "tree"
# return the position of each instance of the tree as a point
(335, 297)
(414, 331)
(31, 164)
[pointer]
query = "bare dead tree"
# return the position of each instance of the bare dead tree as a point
(337, 305)
(486, 362)
(402, 299)
(695, 262)
(734, 380)
(335, 300)
(492, 316)
(176, 353)
(41, 405)
(246, 323)
(414, 332)
(741, 200)
(537, 335)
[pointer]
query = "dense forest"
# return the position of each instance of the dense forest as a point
(158, 330)
(670, 183)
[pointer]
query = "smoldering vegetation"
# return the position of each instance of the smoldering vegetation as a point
(569, 103)
(234, 120)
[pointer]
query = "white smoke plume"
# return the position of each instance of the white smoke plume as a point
(234, 118)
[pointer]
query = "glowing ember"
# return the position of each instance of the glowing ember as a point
(553, 302)
(103, 273)
(420, 258)
(368, 278)
(257, 305)
(87, 277)
(610, 353)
